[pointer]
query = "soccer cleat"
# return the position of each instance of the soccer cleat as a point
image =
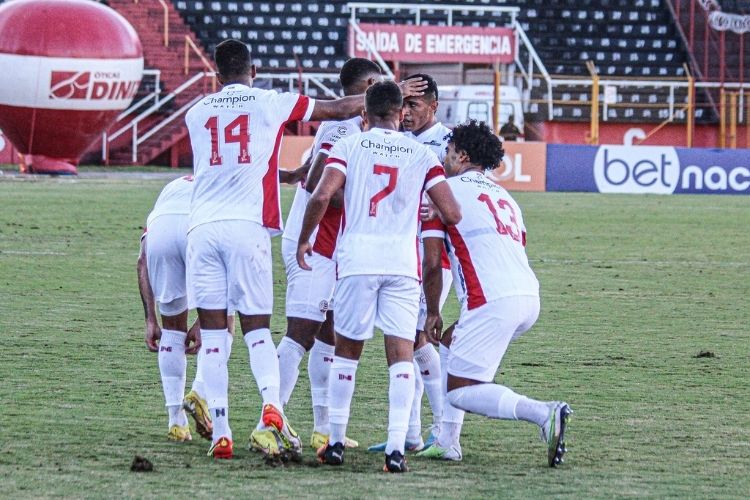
(198, 409)
(266, 441)
(272, 417)
(555, 433)
(319, 439)
(331, 454)
(221, 449)
(437, 452)
(410, 446)
(395, 462)
(179, 433)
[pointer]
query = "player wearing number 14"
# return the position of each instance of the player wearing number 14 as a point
(235, 135)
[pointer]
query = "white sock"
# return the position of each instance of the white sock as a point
(340, 391)
(318, 368)
(290, 355)
(498, 401)
(400, 397)
(213, 366)
(428, 360)
(172, 367)
(414, 433)
(264, 364)
(198, 386)
(453, 418)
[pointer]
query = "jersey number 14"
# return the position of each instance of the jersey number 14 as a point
(235, 132)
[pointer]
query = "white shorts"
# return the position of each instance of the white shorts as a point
(365, 301)
(309, 294)
(229, 267)
(483, 334)
(166, 241)
(447, 282)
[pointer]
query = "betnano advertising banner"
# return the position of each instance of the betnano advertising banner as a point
(441, 44)
(647, 169)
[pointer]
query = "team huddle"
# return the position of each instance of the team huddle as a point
(390, 210)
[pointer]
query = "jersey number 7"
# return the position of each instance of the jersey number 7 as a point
(392, 178)
(235, 132)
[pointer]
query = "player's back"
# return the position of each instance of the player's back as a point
(385, 175)
(235, 135)
(489, 241)
(174, 199)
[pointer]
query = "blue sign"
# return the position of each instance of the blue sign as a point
(647, 169)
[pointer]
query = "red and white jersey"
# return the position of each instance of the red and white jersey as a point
(488, 245)
(235, 135)
(174, 199)
(328, 134)
(386, 173)
(435, 138)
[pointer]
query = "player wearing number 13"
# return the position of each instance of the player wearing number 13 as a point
(235, 135)
(383, 174)
(502, 297)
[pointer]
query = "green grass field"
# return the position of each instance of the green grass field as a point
(633, 289)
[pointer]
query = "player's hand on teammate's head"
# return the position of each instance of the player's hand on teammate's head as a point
(152, 336)
(303, 248)
(412, 87)
(193, 340)
(433, 328)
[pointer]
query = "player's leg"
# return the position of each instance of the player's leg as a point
(356, 301)
(165, 254)
(304, 312)
(427, 360)
(207, 292)
(398, 308)
(479, 343)
(250, 293)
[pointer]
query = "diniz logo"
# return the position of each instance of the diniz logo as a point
(645, 169)
(91, 86)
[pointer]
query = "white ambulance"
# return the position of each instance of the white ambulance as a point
(459, 103)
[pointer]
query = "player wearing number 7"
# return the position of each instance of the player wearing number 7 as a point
(235, 135)
(501, 297)
(383, 174)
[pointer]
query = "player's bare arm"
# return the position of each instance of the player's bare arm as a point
(153, 331)
(347, 107)
(296, 175)
(313, 178)
(447, 207)
(432, 284)
(332, 181)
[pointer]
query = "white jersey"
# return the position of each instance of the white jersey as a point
(488, 244)
(328, 134)
(435, 138)
(235, 135)
(174, 199)
(386, 173)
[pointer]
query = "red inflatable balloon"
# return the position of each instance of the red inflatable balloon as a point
(67, 69)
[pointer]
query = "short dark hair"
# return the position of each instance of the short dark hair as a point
(478, 141)
(356, 69)
(232, 58)
(383, 99)
(431, 91)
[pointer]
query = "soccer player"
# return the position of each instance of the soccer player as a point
(501, 297)
(235, 135)
(161, 279)
(309, 295)
(383, 174)
(421, 124)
